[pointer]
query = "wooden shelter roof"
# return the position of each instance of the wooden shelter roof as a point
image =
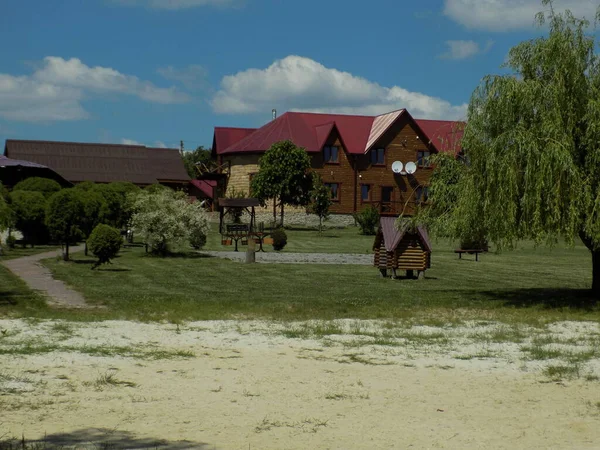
(392, 236)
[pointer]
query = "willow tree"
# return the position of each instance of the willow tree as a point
(532, 140)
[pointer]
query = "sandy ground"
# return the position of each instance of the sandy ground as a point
(241, 385)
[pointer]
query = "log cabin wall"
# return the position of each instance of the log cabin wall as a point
(340, 173)
(400, 143)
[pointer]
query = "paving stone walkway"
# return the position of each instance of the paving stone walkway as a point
(39, 278)
(297, 258)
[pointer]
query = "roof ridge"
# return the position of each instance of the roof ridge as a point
(96, 144)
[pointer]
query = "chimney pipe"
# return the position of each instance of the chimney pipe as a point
(274, 111)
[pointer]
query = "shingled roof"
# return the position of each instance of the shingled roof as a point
(310, 130)
(102, 163)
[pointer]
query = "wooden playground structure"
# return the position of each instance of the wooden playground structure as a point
(402, 249)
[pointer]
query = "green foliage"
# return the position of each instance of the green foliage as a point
(5, 211)
(279, 239)
(37, 184)
(93, 204)
(284, 176)
(29, 210)
(200, 155)
(368, 220)
(64, 213)
(166, 218)
(533, 147)
(116, 209)
(11, 241)
(320, 200)
(235, 214)
(104, 243)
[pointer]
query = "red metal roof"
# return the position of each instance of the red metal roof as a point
(227, 136)
(205, 186)
(445, 135)
(311, 130)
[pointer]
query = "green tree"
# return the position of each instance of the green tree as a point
(532, 145)
(116, 209)
(93, 205)
(283, 176)
(199, 156)
(37, 184)
(64, 214)
(104, 243)
(29, 210)
(320, 200)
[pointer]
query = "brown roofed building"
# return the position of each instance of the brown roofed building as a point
(103, 163)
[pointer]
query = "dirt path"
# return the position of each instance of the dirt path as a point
(39, 278)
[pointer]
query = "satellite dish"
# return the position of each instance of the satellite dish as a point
(411, 167)
(397, 167)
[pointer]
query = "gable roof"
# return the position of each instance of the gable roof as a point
(392, 236)
(102, 163)
(444, 134)
(311, 130)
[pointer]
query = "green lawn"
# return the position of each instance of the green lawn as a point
(19, 251)
(526, 285)
(335, 240)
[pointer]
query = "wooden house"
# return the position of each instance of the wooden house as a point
(401, 249)
(352, 154)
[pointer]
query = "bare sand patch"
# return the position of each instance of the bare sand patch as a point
(344, 384)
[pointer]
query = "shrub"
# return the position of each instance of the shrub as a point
(165, 219)
(279, 239)
(474, 243)
(368, 220)
(104, 243)
(45, 186)
(11, 241)
(29, 209)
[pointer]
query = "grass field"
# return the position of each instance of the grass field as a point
(334, 240)
(526, 285)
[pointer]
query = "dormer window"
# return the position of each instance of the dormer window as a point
(378, 156)
(423, 159)
(330, 155)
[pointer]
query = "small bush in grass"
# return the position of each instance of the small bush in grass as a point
(197, 239)
(104, 243)
(279, 239)
(368, 220)
(11, 241)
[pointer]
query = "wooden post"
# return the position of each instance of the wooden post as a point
(383, 273)
(251, 251)
(410, 274)
(421, 275)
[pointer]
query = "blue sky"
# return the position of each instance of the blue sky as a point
(160, 71)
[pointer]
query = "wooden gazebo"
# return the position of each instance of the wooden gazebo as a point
(403, 249)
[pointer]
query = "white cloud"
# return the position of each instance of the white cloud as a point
(192, 77)
(177, 4)
(130, 142)
(458, 50)
(301, 84)
(160, 144)
(505, 15)
(55, 90)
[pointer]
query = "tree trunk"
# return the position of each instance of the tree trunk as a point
(66, 252)
(320, 224)
(595, 263)
(274, 211)
(281, 213)
(85, 251)
(596, 272)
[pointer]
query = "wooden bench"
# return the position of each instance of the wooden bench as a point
(460, 252)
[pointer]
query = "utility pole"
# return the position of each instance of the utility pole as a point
(181, 147)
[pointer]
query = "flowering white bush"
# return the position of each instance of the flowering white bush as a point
(166, 219)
